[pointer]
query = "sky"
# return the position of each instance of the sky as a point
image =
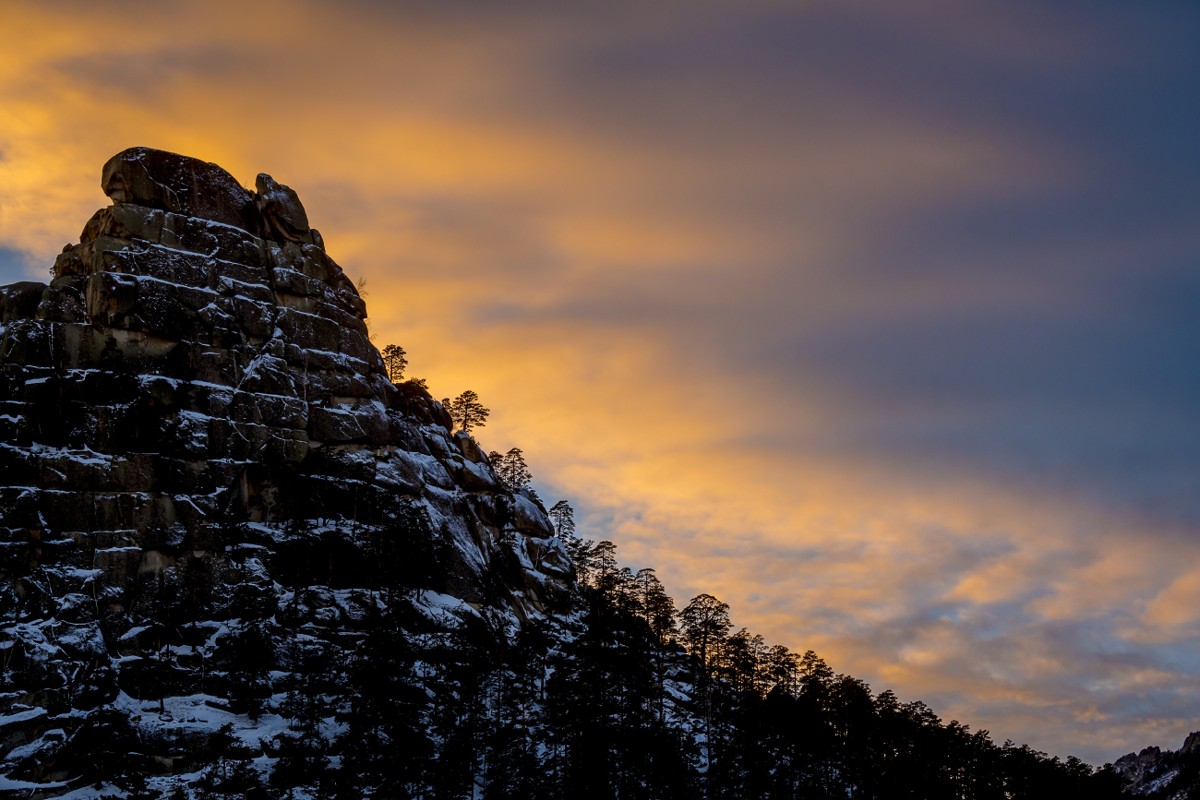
(879, 321)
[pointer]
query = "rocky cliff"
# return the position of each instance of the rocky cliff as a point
(237, 561)
(1169, 775)
(198, 439)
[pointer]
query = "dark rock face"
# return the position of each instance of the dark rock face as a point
(1155, 773)
(194, 427)
(179, 184)
(281, 211)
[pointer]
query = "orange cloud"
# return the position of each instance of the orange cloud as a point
(620, 267)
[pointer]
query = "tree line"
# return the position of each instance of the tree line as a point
(625, 695)
(655, 701)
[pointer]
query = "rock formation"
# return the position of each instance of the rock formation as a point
(237, 561)
(195, 430)
(1171, 774)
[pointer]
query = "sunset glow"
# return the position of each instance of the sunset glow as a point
(881, 326)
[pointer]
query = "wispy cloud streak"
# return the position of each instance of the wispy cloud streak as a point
(879, 325)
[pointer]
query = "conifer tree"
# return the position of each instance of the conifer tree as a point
(395, 361)
(247, 653)
(303, 757)
(656, 607)
(511, 469)
(562, 516)
(466, 411)
(386, 747)
(609, 735)
(704, 624)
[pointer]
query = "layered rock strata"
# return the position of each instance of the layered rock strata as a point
(194, 422)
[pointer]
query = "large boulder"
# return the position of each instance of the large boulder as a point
(179, 184)
(283, 216)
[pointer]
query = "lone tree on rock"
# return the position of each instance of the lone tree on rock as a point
(395, 361)
(466, 411)
(562, 517)
(511, 469)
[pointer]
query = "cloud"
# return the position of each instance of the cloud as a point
(878, 325)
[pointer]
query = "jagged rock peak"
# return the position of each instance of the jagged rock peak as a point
(199, 189)
(199, 364)
(200, 447)
(179, 224)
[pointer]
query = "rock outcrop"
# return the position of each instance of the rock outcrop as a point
(1155, 773)
(197, 437)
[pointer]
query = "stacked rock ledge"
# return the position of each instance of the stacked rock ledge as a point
(193, 404)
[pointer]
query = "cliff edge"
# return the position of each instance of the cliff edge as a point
(198, 440)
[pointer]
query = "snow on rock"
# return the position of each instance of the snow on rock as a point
(201, 456)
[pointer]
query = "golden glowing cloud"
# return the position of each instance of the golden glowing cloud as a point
(621, 256)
